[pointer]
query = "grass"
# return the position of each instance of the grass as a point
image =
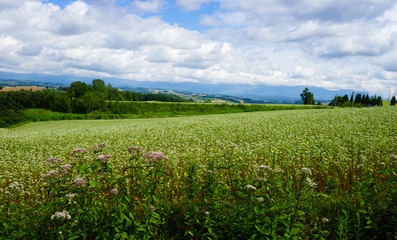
(312, 174)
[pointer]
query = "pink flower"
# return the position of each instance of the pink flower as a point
(133, 149)
(77, 150)
(114, 191)
(51, 174)
(98, 147)
(103, 157)
(66, 168)
(154, 156)
(79, 181)
(53, 160)
(152, 209)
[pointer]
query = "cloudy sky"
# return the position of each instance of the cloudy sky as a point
(335, 44)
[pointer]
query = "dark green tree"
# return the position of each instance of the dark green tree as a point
(98, 85)
(358, 98)
(307, 97)
(77, 89)
(393, 101)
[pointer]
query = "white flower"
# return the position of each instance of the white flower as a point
(260, 199)
(264, 167)
(310, 183)
(250, 187)
(324, 220)
(305, 170)
(63, 215)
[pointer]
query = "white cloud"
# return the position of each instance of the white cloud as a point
(300, 72)
(272, 42)
(191, 5)
(152, 6)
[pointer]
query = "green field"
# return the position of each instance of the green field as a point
(300, 174)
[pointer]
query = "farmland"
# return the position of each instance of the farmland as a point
(318, 174)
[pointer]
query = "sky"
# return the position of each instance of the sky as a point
(335, 44)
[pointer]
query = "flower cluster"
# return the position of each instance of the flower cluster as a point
(104, 157)
(264, 167)
(16, 186)
(63, 215)
(98, 148)
(51, 174)
(65, 168)
(133, 149)
(305, 171)
(310, 183)
(155, 156)
(78, 150)
(114, 191)
(79, 181)
(53, 161)
(249, 187)
(70, 196)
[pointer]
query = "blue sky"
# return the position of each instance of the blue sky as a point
(324, 43)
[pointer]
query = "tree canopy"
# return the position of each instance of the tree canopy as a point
(307, 97)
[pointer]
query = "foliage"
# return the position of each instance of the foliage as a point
(359, 101)
(307, 97)
(393, 101)
(271, 175)
(93, 106)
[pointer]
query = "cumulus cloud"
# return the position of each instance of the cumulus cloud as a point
(191, 5)
(342, 44)
(151, 6)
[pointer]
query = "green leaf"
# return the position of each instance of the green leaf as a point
(295, 231)
(362, 211)
(300, 213)
(92, 183)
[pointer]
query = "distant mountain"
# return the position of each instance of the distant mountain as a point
(269, 94)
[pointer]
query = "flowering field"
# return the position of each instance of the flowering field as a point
(302, 174)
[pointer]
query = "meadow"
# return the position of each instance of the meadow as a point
(297, 174)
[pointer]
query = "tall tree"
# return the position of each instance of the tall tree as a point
(307, 97)
(393, 101)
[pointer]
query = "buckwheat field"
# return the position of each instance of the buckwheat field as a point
(301, 174)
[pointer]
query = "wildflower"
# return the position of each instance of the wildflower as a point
(63, 215)
(133, 149)
(207, 213)
(65, 168)
(154, 156)
(103, 157)
(249, 187)
(51, 174)
(324, 220)
(114, 191)
(16, 186)
(79, 181)
(310, 183)
(98, 148)
(305, 170)
(77, 150)
(264, 167)
(152, 209)
(53, 161)
(260, 199)
(70, 196)
(393, 157)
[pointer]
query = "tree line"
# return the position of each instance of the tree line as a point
(360, 100)
(79, 98)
